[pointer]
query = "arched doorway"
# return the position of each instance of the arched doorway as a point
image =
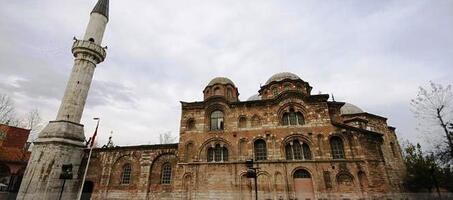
(303, 185)
(87, 190)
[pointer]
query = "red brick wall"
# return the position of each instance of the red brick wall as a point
(15, 137)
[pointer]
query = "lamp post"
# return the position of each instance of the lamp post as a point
(66, 174)
(252, 173)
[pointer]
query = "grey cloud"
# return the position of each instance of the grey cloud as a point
(371, 53)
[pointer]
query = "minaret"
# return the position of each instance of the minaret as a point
(62, 141)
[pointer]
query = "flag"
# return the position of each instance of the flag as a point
(94, 135)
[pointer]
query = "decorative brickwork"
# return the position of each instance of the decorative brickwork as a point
(296, 130)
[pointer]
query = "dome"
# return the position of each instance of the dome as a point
(282, 76)
(348, 108)
(254, 97)
(221, 80)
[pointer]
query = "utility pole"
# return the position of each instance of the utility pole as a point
(252, 173)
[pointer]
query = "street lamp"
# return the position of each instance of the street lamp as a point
(252, 173)
(66, 174)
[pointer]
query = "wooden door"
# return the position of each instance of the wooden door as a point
(303, 185)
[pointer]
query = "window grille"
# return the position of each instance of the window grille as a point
(217, 120)
(289, 152)
(297, 150)
(260, 150)
(293, 118)
(337, 148)
(217, 154)
(301, 173)
(166, 173)
(126, 174)
(306, 151)
(210, 154)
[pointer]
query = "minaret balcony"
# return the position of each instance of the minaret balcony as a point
(84, 49)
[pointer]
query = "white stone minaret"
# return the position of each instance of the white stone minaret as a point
(62, 141)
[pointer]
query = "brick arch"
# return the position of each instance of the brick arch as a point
(279, 185)
(154, 175)
(255, 121)
(187, 185)
(117, 169)
(213, 107)
(202, 151)
(345, 182)
(298, 107)
(301, 138)
(242, 148)
(302, 168)
(264, 185)
(239, 118)
(345, 141)
(189, 151)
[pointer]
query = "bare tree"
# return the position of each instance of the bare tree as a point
(33, 122)
(433, 106)
(6, 109)
(166, 138)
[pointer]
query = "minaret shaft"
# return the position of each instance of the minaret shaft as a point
(62, 142)
(76, 93)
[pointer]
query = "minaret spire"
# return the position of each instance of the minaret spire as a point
(102, 7)
(62, 141)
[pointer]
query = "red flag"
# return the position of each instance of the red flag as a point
(94, 135)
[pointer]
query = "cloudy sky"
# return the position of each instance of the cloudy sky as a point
(371, 53)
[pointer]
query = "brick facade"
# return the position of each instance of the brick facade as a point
(308, 142)
(13, 159)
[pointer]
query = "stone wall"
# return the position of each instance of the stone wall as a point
(210, 164)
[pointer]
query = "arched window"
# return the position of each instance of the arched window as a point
(229, 93)
(217, 120)
(260, 150)
(189, 152)
(275, 91)
(336, 145)
(306, 151)
(242, 122)
(217, 153)
(126, 174)
(256, 121)
(392, 147)
(190, 124)
(217, 91)
(166, 173)
(297, 151)
(301, 173)
(293, 118)
(344, 178)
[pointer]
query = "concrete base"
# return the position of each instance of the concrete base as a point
(60, 143)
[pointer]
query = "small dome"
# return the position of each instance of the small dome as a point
(282, 76)
(348, 108)
(221, 80)
(254, 97)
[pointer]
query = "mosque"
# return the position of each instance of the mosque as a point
(304, 145)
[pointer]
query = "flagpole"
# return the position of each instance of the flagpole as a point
(79, 196)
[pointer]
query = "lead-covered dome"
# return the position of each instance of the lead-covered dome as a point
(220, 80)
(254, 97)
(348, 109)
(282, 76)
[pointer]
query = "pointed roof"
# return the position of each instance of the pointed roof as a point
(102, 7)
